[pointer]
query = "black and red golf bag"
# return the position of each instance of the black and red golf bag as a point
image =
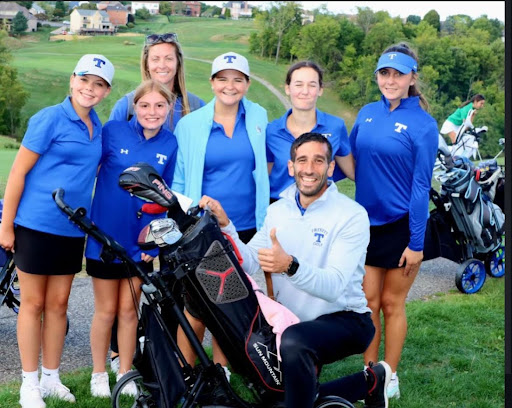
(205, 262)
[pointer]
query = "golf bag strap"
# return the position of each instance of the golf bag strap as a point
(235, 248)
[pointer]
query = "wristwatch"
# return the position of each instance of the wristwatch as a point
(292, 268)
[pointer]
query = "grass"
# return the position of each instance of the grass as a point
(453, 356)
(44, 66)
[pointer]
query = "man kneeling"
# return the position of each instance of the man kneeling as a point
(313, 243)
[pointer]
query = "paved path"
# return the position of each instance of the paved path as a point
(282, 98)
(435, 276)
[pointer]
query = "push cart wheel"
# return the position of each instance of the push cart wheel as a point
(141, 400)
(470, 276)
(495, 262)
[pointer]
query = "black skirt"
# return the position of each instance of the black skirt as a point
(41, 253)
(387, 243)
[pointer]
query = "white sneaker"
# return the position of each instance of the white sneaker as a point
(114, 364)
(393, 390)
(130, 388)
(53, 388)
(99, 385)
(30, 396)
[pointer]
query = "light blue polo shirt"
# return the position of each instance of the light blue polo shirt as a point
(68, 159)
(279, 142)
(227, 176)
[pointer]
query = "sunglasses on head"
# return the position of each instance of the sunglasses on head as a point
(159, 38)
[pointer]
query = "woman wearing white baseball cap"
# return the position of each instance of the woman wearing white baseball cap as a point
(61, 148)
(221, 153)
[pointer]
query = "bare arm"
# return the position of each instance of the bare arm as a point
(270, 166)
(23, 163)
(347, 165)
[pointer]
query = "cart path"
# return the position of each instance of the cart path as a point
(282, 98)
(436, 276)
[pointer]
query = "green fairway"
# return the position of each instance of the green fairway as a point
(45, 66)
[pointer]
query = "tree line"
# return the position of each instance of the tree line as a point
(458, 57)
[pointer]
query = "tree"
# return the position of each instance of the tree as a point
(165, 8)
(19, 23)
(88, 6)
(26, 4)
(11, 111)
(432, 17)
(413, 19)
(143, 13)
(60, 9)
(318, 40)
(365, 18)
(281, 17)
(12, 95)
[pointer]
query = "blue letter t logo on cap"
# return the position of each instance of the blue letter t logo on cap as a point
(99, 62)
(229, 58)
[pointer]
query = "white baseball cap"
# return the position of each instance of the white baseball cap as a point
(95, 64)
(230, 60)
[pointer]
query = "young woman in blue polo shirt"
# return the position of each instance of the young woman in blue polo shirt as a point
(304, 85)
(161, 60)
(61, 149)
(222, 154)
(142, 139)
(394, 142)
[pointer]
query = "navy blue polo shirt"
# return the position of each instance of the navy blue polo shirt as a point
(279, 141)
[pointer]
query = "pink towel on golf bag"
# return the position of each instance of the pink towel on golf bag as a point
(277, 315)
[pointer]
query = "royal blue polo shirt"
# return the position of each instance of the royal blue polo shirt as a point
(395, 153)
(68, 159)
(227, 175)
(114, 210)
(279, 140)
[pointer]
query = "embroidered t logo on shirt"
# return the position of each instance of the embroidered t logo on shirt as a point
(161, 158)
(319, 235)
(399, 127)
(124, 151)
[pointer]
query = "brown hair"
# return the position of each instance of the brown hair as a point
(475, 98)
(414, 90)
(305, 64)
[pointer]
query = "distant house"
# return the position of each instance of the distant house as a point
(117, 13)
(239, 9)
(307, 17)
(152, 6)
(36, 9)
(90, 22)
(189, 8)
(102, 5)
(8, 11)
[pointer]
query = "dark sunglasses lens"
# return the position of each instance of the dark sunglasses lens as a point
(150, 39)
(170, 37)
(156, 38)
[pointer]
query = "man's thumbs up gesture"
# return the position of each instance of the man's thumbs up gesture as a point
(274, 259)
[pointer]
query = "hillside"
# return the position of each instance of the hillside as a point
(44, 66)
